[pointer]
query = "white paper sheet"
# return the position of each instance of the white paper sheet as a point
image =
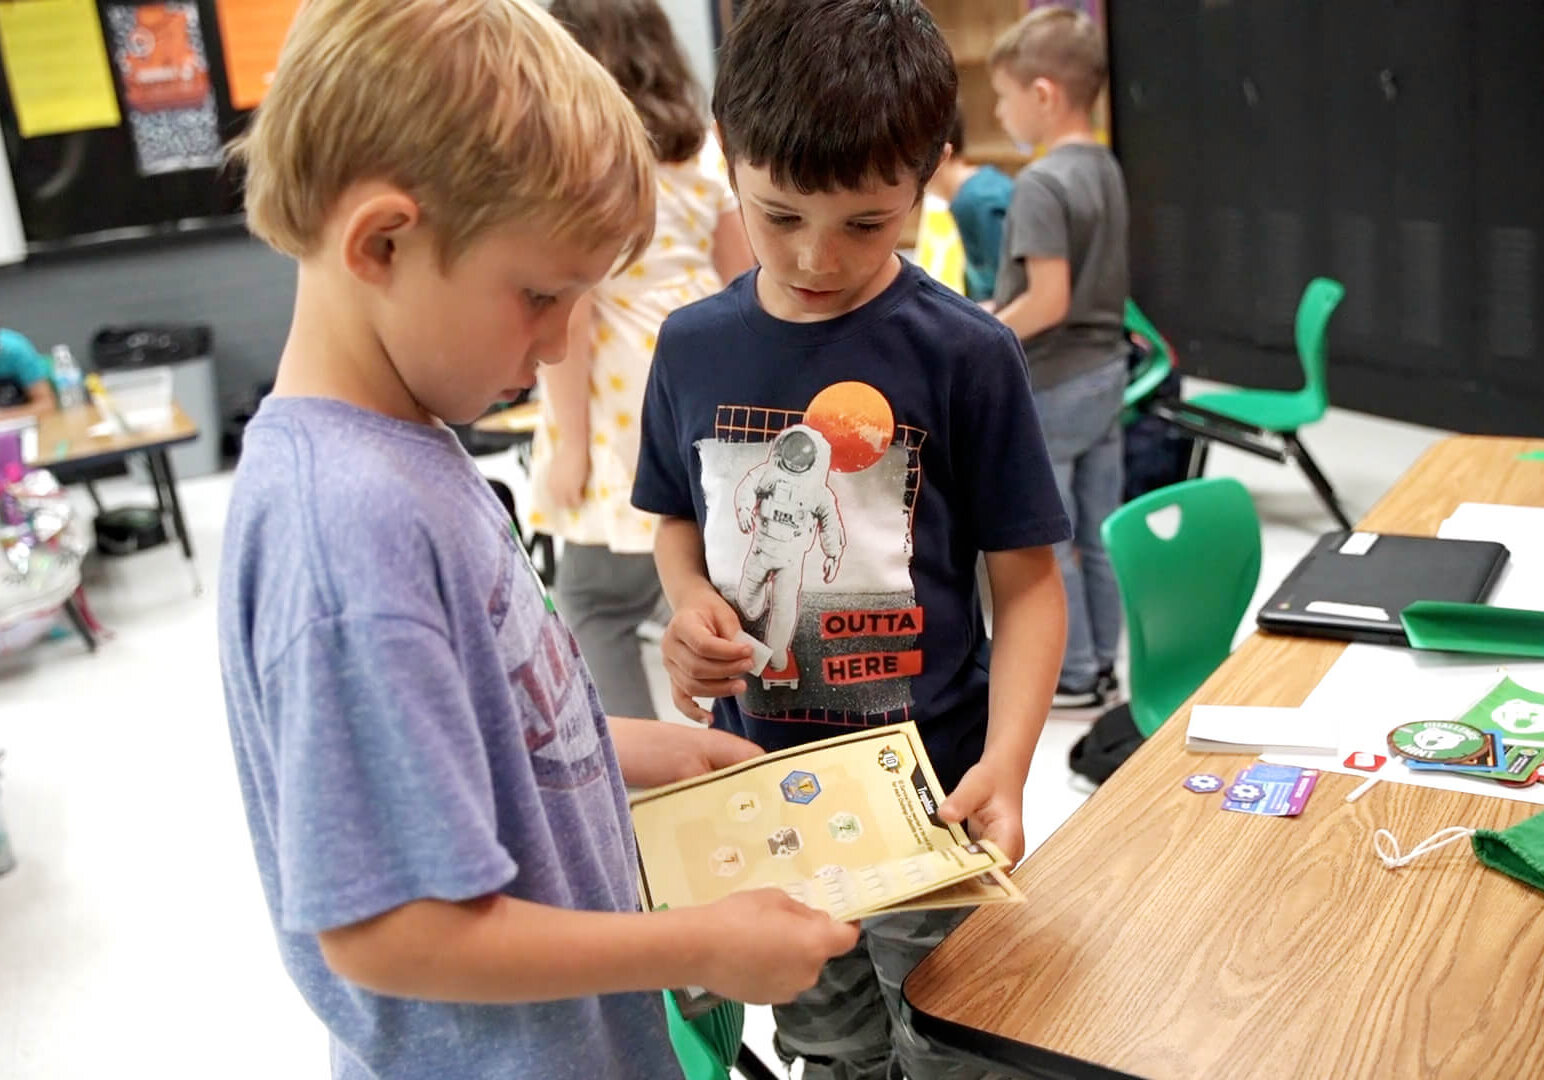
(1521, 529)
(1231, 728)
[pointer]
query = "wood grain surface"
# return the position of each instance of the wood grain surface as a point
(64, 436)
(1167, 939)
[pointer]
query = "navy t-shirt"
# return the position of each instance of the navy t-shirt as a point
(845, 474)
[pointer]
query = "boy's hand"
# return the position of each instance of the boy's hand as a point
(767, 948)
(653, 753)
(568, 475)
(992, 804)
(701, 656)
(691, 751)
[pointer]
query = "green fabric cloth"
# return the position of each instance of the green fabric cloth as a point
(1517, 852)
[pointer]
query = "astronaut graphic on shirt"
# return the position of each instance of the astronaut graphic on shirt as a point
(786, 505)
(807, 533)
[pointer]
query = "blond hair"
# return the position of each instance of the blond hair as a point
(1058, 44)
(484, 111)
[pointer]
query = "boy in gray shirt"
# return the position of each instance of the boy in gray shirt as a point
(1062, 288)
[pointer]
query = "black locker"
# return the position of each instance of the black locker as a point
(1151, 88)
(1223, 277)
(1431, 84)
(1356, 50)
(1397, 145)
(1285, 91)
(1509, 202)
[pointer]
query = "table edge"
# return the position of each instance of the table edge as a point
(999, 1051)
(118, 452)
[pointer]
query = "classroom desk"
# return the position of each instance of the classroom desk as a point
(1164, 938)
(65, 438)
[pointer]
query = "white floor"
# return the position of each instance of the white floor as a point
(132, 932)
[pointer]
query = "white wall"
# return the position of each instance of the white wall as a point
(693, 22)
(13, 244)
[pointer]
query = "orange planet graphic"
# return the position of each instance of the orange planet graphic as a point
(856, 420)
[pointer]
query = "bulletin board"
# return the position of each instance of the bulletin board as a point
(114, 113)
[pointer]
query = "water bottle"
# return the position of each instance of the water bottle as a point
(68, 381)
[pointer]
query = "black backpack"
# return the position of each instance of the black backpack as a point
(1113, 738)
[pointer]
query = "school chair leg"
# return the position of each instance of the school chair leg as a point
(79, 621)
(1315, 477)
(748, 1065)
(1200, 450)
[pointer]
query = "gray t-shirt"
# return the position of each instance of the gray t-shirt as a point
(1071, 204)
(410, 722)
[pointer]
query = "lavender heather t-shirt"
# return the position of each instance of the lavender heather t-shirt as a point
(409, 722)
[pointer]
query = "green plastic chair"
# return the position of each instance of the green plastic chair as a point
(1285, 412)
(1183, 596)
(1155, 369)
(708, 1046)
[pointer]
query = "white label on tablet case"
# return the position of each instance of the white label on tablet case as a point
(1359, 543)
(1350, 611)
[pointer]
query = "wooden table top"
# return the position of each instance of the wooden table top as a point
(64, 436)
(1164, 938)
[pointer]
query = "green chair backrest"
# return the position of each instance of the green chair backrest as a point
(1184, 591)
(1320, 299)
(707, 1046)
(1154, 370)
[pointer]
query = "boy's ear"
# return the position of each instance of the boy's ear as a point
(1045, 91)
(374, 230)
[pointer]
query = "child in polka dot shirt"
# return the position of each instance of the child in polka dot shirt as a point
(587, 445)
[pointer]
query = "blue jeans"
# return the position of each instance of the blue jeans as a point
(1081, 421)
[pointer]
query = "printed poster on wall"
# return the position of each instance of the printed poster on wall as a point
(56, 66)
(158, 50)
(253, 32)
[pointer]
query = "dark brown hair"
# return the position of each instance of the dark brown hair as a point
(1058, 44)
(633, 40)
(957, 132)
(829, 94)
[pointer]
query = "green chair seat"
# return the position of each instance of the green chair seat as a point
(1183, 592)
(1273, 410)
(1284, 412)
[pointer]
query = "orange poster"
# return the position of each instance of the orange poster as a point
(253, 32)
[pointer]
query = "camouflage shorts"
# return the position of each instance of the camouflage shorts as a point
(849, 1027)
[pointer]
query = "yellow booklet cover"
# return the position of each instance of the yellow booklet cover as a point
(848, 825)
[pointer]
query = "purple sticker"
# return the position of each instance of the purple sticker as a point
(1271, 790)
(1202, 783)
(1300, 792)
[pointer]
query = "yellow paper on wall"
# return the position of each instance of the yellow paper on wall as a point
(56, 64)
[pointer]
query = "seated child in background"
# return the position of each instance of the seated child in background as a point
(437, 804)
(28, 391)
(978, 197)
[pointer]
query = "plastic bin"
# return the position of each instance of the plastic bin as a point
(187, 352)
(143, 396)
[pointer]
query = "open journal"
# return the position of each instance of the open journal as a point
(848, 825)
